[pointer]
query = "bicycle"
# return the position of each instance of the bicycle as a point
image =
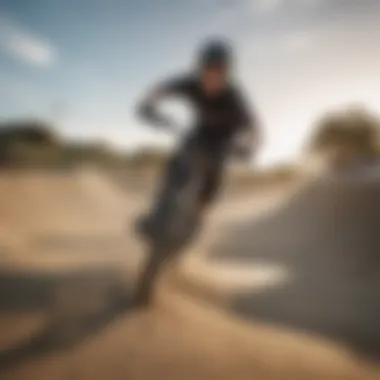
(173, 224)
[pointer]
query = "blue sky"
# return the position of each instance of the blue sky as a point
(84, 63)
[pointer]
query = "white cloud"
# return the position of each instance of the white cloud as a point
(21, 44)
(281, 45)
(271, 6)
(310, 3)
(297, 40)
(266, 6)
(259, 6)
(229, 13)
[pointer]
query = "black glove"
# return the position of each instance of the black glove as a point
(150, 113)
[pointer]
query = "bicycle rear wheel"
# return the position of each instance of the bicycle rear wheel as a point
(147, 281)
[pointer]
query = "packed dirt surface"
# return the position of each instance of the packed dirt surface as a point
(327, 237)
(69, 262)
(56, 216)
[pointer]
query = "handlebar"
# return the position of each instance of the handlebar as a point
(238, 150)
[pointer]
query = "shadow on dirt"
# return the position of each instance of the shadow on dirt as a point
(79, 304)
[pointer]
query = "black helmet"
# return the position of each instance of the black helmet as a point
(216, 53)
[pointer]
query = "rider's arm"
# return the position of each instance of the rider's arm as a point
(250, 126)
(147, 108)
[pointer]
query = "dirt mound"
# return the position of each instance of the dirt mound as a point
(12, 244)
(59, 212)
(32, 201)
(180, 338)
(327, 236)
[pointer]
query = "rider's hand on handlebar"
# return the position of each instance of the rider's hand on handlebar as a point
(245, 145)
(149, 112)
(168, 125)
(243, 153)
(165, 123)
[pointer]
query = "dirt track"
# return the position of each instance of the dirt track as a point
(64, 302)
(328, 238)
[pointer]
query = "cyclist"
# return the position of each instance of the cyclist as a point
(221, 117)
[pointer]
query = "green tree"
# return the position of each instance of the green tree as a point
(346, 136)
(25, 141)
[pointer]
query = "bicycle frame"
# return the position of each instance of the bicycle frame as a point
(177, 229)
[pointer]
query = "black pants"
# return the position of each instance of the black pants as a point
(207, 159)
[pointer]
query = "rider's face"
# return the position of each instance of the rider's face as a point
(213, 79)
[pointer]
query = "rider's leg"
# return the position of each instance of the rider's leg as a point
(175, 176)
(212, 179)
(147, 281)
